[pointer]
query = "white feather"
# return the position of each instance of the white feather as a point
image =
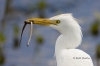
(68, 41)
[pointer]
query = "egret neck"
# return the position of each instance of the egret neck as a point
(69, 39)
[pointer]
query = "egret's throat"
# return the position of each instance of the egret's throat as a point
(68, 40)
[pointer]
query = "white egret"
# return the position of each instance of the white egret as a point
(66, 44)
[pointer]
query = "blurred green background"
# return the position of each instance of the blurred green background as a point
(40, 52)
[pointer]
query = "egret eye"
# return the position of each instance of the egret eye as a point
(58, 21)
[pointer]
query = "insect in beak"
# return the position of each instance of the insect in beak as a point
(30, 32)
(40, 21)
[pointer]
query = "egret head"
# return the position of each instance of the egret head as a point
(70, 30)
(64, 23)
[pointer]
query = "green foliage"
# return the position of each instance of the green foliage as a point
(7, 7)
(2, 37)
(15, 43)
(16, 30)
(41, 5)
(2, 59)
(15, 39)
(95, 28)
(39, 40)
(98, 51)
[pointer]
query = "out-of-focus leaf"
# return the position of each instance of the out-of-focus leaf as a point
(0, 50)
(98, 51)
(39, 40)
(95, 28)
(15, 43)
(2, 37)
(8, 8)
(2, 59)
(16, 30)
(41, 5)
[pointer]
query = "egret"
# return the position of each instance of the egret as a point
(66, 44)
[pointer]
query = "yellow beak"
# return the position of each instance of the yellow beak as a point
(42, 21)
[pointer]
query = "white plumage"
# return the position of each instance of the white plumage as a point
(73, 57)
(66, 44)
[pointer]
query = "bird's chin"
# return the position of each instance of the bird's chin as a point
(53, 26)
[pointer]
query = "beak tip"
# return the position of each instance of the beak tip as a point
(25, 22)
